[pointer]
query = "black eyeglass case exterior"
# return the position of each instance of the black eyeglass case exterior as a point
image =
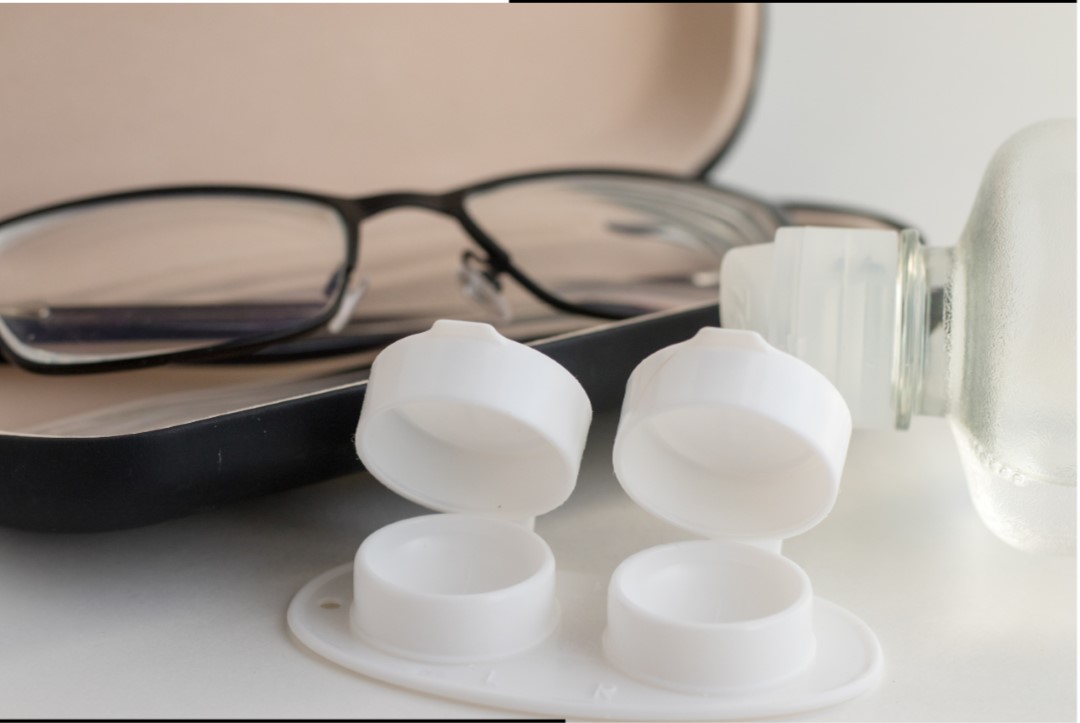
(350, 99)
(88, 484)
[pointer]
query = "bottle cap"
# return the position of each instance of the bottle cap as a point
(830, 297)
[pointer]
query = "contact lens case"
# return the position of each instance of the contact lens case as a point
(721, 435)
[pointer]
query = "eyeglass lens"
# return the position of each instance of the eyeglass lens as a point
(165, 274)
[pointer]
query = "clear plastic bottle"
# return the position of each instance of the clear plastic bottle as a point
(983, 332)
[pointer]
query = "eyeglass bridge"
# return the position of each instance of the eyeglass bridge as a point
(479, 279)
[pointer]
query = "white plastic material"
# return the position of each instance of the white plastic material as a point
(725, 436)
(728, 437)
(462, 419)
(722, 434)
(706, 617)
(454, 588)
(829, 297)
(568, 676)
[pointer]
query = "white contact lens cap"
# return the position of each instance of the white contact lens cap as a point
(726, 436)
(462, 419)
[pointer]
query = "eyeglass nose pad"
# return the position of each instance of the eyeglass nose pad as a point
(358, 286)
(481, 285)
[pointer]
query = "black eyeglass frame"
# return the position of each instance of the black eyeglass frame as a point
(352, 212)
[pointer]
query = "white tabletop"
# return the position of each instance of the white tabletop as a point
(895, 108)
(187, 618)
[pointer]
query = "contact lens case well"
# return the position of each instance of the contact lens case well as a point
(721, 435)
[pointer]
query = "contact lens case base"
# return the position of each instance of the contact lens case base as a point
(567, 675)
(469, 605)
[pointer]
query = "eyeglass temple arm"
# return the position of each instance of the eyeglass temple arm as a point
(129, 322)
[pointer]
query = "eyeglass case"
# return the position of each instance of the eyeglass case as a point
(344, 98)
(721, 435)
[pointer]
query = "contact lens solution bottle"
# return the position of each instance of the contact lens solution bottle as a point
(983, 332)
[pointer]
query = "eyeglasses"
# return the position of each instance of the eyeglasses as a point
(201, 272)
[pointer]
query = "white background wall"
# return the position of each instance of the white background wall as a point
(899, 107)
